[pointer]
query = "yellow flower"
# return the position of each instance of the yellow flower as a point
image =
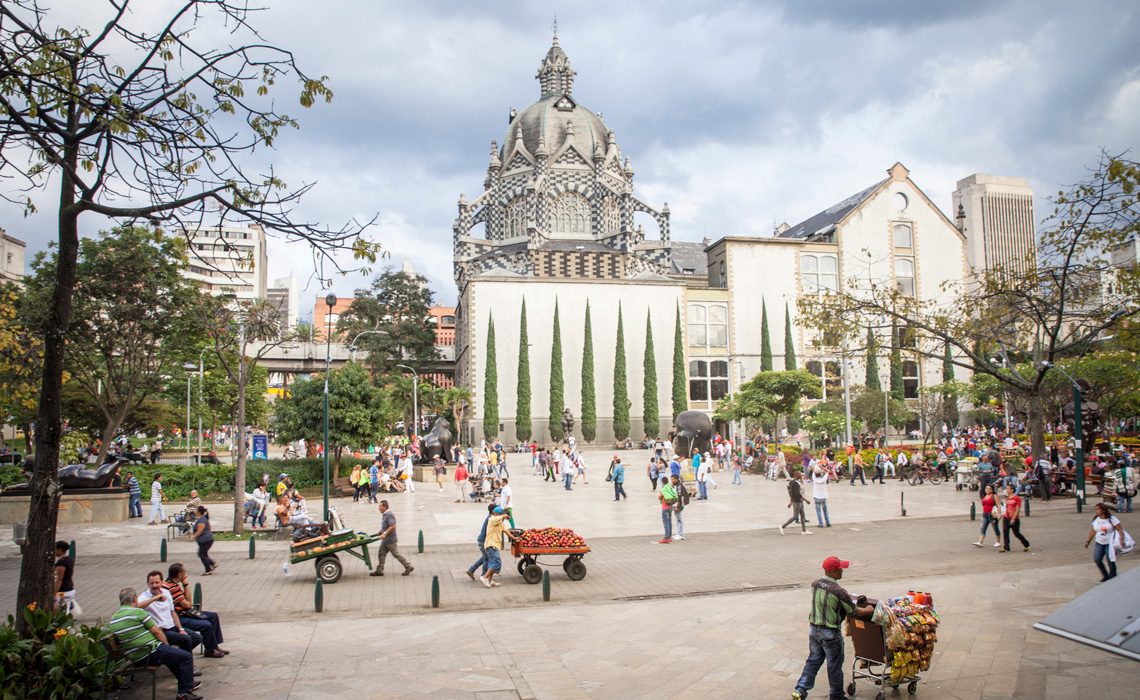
(32, 606)
(62, 631)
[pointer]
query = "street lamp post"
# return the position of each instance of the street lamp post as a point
(352, 346)
(1078, 431)
(201, 398)
(189, 367)
(1005, 394)
(415, 397)
(330, 300)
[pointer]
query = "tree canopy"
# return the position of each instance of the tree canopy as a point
(397, 304)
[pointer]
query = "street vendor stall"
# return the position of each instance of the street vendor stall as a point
(896, 645)
(529, 545)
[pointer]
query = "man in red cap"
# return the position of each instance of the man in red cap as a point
(830, 604)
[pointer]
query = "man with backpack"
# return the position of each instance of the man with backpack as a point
(679, 506)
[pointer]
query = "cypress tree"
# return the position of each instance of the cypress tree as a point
(589, 408)
(680, 390)
(491, 386)
(947, 365)
(621, 386)
(651, 414)
(557, 385)
(522, 405)
(789, 346)
(765, 339)
(897, 391)
(872, 381)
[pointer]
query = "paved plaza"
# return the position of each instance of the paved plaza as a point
(720, 614)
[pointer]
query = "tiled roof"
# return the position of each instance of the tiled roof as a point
(828, 217)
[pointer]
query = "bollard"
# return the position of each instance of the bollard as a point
(1027, 501)
(162, 550)
(420, 546)
(71, 552)
(973, 511)
(252, 548)
(545, 585)
(196, 599)
(902, 503)
(319, 597)
(435, 591)
(1080, 502)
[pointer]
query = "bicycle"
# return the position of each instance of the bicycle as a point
(919, 474)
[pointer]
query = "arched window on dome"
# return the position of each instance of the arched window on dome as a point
(570, 213)
(611, 215)
(516, 218)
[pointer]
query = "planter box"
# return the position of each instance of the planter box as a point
(91, 507)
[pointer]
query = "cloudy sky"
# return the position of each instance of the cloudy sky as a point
(739, 115)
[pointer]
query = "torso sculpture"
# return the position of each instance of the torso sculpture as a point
(567, 422)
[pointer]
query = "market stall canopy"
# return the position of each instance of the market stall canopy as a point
(1107, 617)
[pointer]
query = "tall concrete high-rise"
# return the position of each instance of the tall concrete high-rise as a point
(282, 293)
(995, 213)
(229, 260)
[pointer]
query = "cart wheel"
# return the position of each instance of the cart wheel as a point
(532, 574)
(957, 487)
(329, 569)
(851, 688)
(521, 566)
(881, 696)
(566, 564)
(912, 687)
(576, 570)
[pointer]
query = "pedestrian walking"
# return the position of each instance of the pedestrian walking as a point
(481, 562)
(461, 483)
(736, 469)
(990, 516)
(782, 464)
(1107, 531)
(1126, 483)
(830, 605)
(796, 502)
(389, 542)
(580, 468)
(654, 472)
(63, 584)
(857, 469)
(134, 491)
(819, 478)
(567, 466)
(1011, 521)
(204, 536)
(666, 497)
(157, 514)
(493, 544)
(440, 473)
(617, 475)
(702, 477)
(679, 507)
(354, 479)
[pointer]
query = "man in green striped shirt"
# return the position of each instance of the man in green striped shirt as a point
(143, 642)
(830, 604)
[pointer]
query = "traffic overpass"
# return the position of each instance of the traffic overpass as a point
(287, 361)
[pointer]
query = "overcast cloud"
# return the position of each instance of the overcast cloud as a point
(739, 115)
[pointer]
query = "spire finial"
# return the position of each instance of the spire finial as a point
(554, 28)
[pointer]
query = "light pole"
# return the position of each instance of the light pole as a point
(846, 395)
(1079, 387)
(352, 346)
(415, 397)
(1004, 393)
(200, 400)
(330, 300)
(189, 367)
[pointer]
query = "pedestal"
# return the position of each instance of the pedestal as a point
(91, 506)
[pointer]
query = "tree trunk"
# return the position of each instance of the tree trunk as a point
(27, 428)
(109, 431)
(1036, 411)
(36, 565)
(239, 471)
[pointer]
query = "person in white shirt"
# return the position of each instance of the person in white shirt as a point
(566, 464)
(408, 471)
(506, 500)
(159, 604)
(902, 462)
(1109, 534)
(702, 480)
(819, 479)
(157, 514)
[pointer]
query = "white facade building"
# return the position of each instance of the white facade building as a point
(283, 294)
(229, 260)
(13, 254)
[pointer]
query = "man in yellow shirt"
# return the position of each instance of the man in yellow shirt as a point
(492, 543)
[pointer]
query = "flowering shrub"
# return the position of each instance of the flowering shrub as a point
(57, 658)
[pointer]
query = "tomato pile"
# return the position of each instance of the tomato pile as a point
(551, 537)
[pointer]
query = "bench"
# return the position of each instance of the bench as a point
(121, 671)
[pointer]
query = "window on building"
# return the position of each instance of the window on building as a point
(904, 276)
(449, 320)
(830, 376)
(570, 213)
(718, 379)
(910, 379)
(708, 325)
(723, 274)
(908, 336)
(708, 380)
(903, 238)
(516, 218)
(820, 273)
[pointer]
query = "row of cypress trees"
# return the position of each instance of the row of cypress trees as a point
(589, 411)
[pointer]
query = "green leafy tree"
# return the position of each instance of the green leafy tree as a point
(491, 386)
(589, 401)
(522, 406)
(868, 406)
(789, 344)
(136, 116)
(770, 395)
(765, 339)
(823, 422)
(873, 382)
(133, 318)
(457, 399)
(398, 304)
(557, 384)
(621, 385)
(651, 412)
(897, 390)
(358, 414)
(680, 383)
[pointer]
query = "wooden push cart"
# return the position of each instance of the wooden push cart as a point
(873, 660)
(325, 548)
(530, 569)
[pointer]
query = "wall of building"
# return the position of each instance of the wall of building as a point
(13, 254)
(229, 260)
(501, 299)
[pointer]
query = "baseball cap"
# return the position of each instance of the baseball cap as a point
(835, 563)
(498, 510)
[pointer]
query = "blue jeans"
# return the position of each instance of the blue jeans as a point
(678, 514)
(823, 644)
(494, 561)
(821, 513)
(180, 663)
(1123, 503)
(1100, 553)
(702, 490)
(988, 520)
(736, 477)
(480, 562)
(135, 506)
(667, 521)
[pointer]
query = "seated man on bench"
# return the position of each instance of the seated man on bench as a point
(143, 643)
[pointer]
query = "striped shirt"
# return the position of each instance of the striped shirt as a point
(830, 603)
(131, 627)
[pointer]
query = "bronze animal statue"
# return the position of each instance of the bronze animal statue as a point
(692, 430)
(437, 443)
